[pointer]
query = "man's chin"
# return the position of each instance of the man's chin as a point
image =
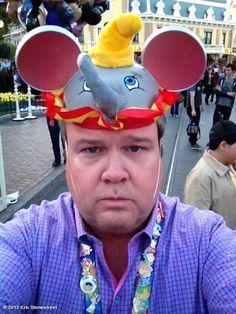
(123, 226)
(117, 231)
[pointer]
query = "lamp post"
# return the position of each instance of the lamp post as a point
(29, 116)
(18, 116)
(3, 196)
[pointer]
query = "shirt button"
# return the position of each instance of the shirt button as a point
(117, 299)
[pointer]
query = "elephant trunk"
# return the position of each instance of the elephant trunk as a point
(106, 99)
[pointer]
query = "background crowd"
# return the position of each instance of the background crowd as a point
(9, 76)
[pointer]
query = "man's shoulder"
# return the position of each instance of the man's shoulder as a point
(180, 210)
(51, 209)
(186, 217)
(192, 89)
(202, 169)
(205, 167)
(222, 80)
(234, 84)
(46, 216)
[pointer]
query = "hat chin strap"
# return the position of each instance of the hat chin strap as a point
(156, 191)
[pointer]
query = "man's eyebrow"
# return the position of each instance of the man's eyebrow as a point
(138, 139)
(89, 142)
(129, 138)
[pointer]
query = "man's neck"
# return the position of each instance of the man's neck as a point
(115, 247)
(229, 77)
(116, 254)
(218, 156)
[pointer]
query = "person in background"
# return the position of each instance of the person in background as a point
(17, 80)
(225, 92)
(217, 71)
(174, 110)
(211, 184)
(3, 81)
(185, 97)
(194, 109)
(54, 131)
(208, 82)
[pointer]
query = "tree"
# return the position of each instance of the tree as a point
(7, 50)
(5, 19)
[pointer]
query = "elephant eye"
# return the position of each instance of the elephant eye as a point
(85, 87)
(131, 82)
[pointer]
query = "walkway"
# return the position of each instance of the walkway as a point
(27, 157)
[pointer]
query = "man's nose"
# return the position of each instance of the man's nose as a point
(115, 169)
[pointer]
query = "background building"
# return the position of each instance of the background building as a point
(213, 21)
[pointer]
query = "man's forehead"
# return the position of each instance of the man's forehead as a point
(78, 132)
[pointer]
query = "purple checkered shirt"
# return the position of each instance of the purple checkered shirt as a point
(195, 269)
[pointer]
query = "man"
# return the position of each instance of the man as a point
(208, 82)
(54, 132)
(225, 95)
(211, 184)
(114, 244)
(174, 110)
(194, 109)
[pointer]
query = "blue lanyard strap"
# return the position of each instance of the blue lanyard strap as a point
(145, 272)
(89, 283)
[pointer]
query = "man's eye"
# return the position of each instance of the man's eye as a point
(135, 149)
(91, 150)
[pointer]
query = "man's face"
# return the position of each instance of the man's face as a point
(228, 72)
(230, 154)
(113, 176)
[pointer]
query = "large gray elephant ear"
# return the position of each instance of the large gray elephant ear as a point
(46, 57)
(175, 57)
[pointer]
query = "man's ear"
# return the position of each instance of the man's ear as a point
(223, 145)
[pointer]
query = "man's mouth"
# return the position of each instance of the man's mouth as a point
(114, 200)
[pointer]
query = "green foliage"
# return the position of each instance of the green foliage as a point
(7, 51)
(4, 17)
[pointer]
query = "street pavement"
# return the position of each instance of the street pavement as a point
(28, 158)
(177, 164)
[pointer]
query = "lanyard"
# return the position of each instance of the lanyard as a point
(144, 276)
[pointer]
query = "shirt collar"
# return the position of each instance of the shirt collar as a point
(218, 167)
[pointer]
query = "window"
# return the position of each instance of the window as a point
(81, 37)
(207, 38)
(136, 38)
(223, 38)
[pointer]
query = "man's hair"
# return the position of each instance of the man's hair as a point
(230, 65)
(224, 130)
(161, 124)
(214, 146)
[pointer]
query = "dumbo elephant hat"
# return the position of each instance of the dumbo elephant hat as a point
(106, 88)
